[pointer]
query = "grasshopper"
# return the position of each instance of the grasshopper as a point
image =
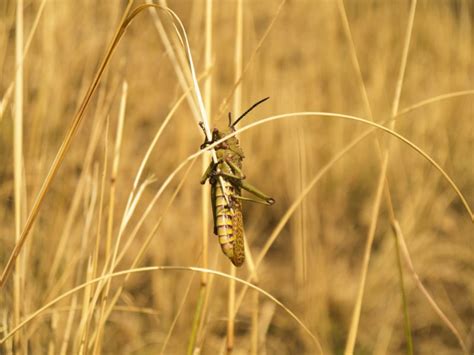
(227, 198)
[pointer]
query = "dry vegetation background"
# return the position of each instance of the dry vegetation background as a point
(314, 266)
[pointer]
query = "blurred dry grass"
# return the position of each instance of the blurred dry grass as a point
(314, 266)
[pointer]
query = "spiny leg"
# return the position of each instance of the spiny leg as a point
(243, 198)
(253, 190)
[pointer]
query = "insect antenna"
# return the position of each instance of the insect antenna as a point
(243, 115)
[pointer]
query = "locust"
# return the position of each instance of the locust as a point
(226, 193)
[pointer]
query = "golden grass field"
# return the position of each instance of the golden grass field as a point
(369, 244)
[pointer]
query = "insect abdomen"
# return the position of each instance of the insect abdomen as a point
(229, 227)
(238, 231)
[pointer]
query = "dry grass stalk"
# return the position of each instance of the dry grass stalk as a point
(324, 201)
(19, 340)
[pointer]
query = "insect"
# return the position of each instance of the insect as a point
(226, 193)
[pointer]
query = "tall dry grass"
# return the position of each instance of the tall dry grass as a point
(368, 248)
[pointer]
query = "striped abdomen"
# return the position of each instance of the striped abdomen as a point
(229, 224)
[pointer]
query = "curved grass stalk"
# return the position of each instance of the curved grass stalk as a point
(318, 114)
(304, 193)
(367, 122)
(184, 162)
(294, 115)
(158, 268)
(273, 118)
(434, 99)
(189, 158)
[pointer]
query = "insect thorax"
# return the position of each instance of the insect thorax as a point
(230, 148)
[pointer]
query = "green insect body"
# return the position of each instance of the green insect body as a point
(226, 194)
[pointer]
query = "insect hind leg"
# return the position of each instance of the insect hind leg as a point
(253, 190)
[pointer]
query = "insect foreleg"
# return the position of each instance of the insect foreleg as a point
(206, 141)
(207, 173)
(253, 190)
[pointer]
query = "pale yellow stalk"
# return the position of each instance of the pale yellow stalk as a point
(236, 107)
(255, 334)
(205, 190)
(69, 321)
(82, 329)
(4, 101)
(110, 220)
(299, 240)
(18, 173)
(89, 221)
(54, 328)
(114, 173)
